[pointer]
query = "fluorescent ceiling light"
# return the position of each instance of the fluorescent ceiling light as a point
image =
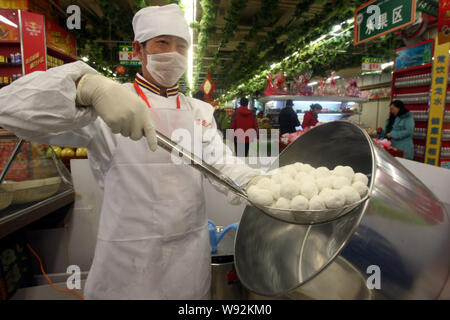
(317, 40)
(189, 14)
(7, 21)
(336, 28)
(385, 65)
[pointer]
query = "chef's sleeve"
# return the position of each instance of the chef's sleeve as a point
(41, 107)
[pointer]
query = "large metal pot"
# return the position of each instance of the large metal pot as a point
(402, 229)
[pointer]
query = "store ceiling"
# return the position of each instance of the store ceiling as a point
(284, 14)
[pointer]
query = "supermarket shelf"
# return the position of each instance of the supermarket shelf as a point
(409, 84)
(30, 213)
(60, 54)
(14, 65)
(9, 42)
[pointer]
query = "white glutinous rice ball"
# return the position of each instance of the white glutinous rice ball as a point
(316, 203)
(260, 196)
(283, 203)
(300, 175)
(281, 177)
(298, 166)
(324, 192)
(348, 172)
(290, 170)
(361, 188)
(361, 177)
(322, 172)
(265, 183)
(340, 181)
(289, 189)
(309, 190)
(326, 182)
(307, 168)
(351, 195)
(309, 178)
(299, 203)
(334, 199)
(275, 188)
(338, 170)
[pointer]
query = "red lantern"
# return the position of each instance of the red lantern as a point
(121, 70)
(208, 87)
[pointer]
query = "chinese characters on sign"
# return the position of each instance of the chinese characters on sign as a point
(127, 56)
(371, 65)
(33, 42)
(437, 104)
(379, 17)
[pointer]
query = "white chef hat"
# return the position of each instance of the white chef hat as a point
(154, 21)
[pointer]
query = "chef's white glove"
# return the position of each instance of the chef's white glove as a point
(121, 109)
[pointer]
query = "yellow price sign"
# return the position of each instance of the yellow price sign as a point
(437, 103)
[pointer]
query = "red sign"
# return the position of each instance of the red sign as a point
(33, 42)
(444, 21)
(60, 39)
(208, 87)
(9, 25)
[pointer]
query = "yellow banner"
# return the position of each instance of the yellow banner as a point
(437, 103)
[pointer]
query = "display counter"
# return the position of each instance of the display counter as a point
(33, 183)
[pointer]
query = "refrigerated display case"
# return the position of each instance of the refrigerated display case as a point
(334, 107)
(33, 183)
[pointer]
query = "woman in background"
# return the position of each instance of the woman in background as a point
(399, 129)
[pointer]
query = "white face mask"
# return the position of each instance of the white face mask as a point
(166, 68)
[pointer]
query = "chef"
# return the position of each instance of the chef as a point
(153, 237)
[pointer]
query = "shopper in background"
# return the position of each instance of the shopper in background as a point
(288, 119)
(310, 117)
(153, 240)
(399, 128)
(245, 128)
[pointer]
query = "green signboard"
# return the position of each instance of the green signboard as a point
(379, 17)
(127, 57)
(371, 65)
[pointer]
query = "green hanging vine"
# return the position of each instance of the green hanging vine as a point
(269, 50)
(205, 28)
(334, 54)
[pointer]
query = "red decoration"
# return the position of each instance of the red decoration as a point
(269, 86)
(444, 21)
(121, 69)
(208, 87)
